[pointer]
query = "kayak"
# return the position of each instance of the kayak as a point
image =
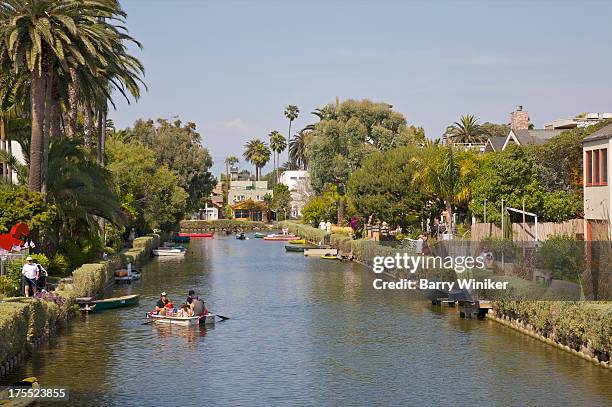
(280, 237)
(193, 235)
(299, 241)
(183, 321)
(297, 248)
(7, 401)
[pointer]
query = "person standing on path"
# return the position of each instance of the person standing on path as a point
(30, 275)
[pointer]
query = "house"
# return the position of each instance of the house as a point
(251, 210)
(17, 152)
(247, 190)
(494, 143)
(213, 209)
(597, 192)
(298, 182)
(583, 120)
(520, 133)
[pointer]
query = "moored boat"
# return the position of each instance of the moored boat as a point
(169, 251)
(116, 302)
(196, 235)
(182, 321)
(298, 248)
(258, 235)
(181, 239)
(318, 252)
(298, 241)
(5, 395)
(274, 237)
(240, 236)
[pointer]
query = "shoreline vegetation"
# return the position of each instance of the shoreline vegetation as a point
(581, 328)
(25, 323)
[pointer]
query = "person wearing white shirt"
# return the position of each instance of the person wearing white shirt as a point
(30, 275)
(328, 226)
(322, 225)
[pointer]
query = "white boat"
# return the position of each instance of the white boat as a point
(164, 251)
(183, 321)
(318, 252)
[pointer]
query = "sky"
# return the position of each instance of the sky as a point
(232, 66)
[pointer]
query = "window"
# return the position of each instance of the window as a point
(596, 165)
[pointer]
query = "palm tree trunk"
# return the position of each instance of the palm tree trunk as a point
(9, 148)
(46, 128)
(37, 103)
(72, 105)
(88, 126)
(289, 137)
(101, 136)
(449, 216)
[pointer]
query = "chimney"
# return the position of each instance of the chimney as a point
(519, 119)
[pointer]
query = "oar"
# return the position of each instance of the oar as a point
(222, 317)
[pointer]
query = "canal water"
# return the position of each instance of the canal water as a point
(302, 331)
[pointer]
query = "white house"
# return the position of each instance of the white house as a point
(597, 191)
(298, 182)
(17, 152)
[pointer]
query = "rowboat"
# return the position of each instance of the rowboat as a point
(182, 321)
(195, 235)
(89, 304)
(7, 401)
(181, 239)
(258, 235)
(299, 241)
(280, 237)
(297, 248)
(318, 252)
(169, 251)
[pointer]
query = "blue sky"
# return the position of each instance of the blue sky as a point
(232, 66)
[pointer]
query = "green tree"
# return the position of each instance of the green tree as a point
(278, 144)
(297, 149)
(320, 208)
(466, 130)
(281, 201)
(383, 188)
(178, 147)
(18, 204)
(348, 133)
(257, 153)
(150, 193)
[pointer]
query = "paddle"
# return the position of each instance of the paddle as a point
(222, 317)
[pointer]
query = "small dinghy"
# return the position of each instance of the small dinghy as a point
(207, 319)
(169, 251)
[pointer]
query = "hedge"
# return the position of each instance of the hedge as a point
(307, 232)
(199, 225)
(42, 316)
(579, 325)
(14, 327)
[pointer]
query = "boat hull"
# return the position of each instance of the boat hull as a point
(318, 252)
(209, 319)
(118, 302)
(168, 252)
(196, 235)
(280, 238)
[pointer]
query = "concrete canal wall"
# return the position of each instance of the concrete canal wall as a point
(581, 328)
(26, 323)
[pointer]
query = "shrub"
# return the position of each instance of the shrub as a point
(59, 265)
(13, 328)
(561, 255)
(42, 259)
(10, 283)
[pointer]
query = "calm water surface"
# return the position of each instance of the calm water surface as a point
(302, 332)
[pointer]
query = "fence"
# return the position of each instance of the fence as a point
(527, 232)
(7, 258)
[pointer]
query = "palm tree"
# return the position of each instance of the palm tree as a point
(439, 174)
(278, 144)
(257, 153)
(50, 40)
(229, 162)
(291, 113)
(297, 149)
(466, 130)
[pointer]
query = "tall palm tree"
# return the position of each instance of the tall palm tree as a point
(48, 39)
(278, 144)
(257, 153)
(291, 112)
(297, 149)
(438, 173)
(229, 162)
(466, 130)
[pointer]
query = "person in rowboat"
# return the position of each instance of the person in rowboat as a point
(196, 304)
(161, 304)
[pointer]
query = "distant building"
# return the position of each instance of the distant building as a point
(251, 210)
(597, 191)
(247, 190)
(582, 120)
(298, 182)
(520, 133)
(17, 152)
(495, 143)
